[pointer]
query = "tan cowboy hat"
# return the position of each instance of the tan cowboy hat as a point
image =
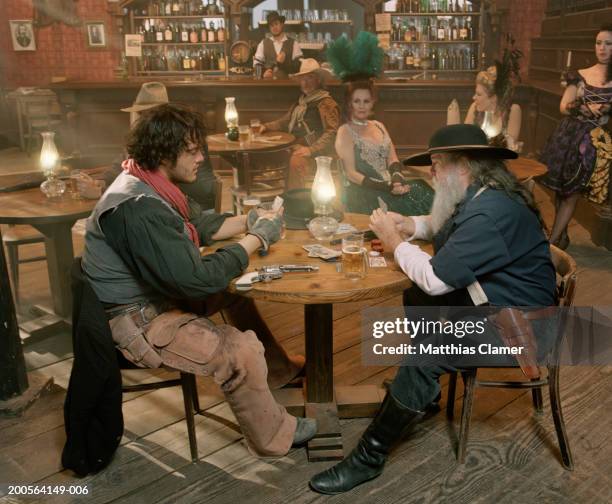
(311, 65)
(151, 95)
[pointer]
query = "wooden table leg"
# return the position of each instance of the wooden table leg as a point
(320, 400)
(60, 253)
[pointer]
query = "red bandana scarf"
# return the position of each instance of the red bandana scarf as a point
(167, 190)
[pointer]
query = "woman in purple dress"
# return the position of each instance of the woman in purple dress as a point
(569, 153)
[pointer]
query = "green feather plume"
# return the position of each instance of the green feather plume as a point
(367, 55)
(339, 56)
(361, 59)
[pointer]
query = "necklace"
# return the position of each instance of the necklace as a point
(359, 123)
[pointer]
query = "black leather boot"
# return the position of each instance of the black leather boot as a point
(367, 460)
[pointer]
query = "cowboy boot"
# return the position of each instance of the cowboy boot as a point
(367, 460)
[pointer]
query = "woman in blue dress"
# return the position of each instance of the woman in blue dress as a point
(371, 166)
(570, 154)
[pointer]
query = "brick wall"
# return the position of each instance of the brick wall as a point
(61, 50)
(524, 22)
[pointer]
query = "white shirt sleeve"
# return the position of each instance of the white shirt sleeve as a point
(423, 231)
(415, 263)
(259, 54)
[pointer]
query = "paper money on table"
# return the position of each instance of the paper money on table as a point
(321, 252)
(382, 205)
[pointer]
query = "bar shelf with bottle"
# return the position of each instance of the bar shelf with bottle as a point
(432, 37)
(179, 37)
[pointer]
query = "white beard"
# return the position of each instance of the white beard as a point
(449, 194)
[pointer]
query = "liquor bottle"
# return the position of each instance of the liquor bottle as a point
(205, 60)
(193, 35)
(222, 63)
(213, 63)
(406, 33)
(186, 62)
(203, 33)
(441, 31)
(470, 30)
(142, 33)
(221, 32)
(176, 8)
(410, 60)
(417, 59)
(193, 60)
(454, 31)
(176, 35)
(434, 59)
(212, 32)
(463, 32)
(168, 33)
(168, 8)
(163, 63)
(172, 64)
(147, 31)
(184, 34)
(159, 34)
(473, 60)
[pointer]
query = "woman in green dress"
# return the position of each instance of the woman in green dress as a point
(371, 166)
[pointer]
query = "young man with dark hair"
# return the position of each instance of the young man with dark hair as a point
(143, 261)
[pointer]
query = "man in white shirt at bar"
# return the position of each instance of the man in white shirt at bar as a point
(279, 55)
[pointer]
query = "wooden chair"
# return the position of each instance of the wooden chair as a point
(14, 237)
(191, 401)
(186, 381)
(264, 175)
(565, 267)
(218, 194)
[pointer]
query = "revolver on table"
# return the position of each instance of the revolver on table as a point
(272, 272)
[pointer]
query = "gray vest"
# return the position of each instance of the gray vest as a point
(111, 279)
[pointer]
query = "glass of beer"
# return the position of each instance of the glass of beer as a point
(255, 127)
(244, 132)
(250, 202)
(73, 184)
(353, 256)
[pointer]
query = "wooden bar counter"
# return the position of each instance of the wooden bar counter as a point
(411, 110)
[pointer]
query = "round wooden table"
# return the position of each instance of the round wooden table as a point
(318, 292)
(229, 150)
(523, 168)
(54, 218)
(219, 144)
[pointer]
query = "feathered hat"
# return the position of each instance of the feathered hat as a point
(361, 59)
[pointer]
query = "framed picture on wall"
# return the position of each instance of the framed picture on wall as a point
(96, 34)
(22, 34)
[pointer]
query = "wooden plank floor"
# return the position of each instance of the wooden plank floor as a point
(512, 454)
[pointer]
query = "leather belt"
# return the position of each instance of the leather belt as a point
(141, 313)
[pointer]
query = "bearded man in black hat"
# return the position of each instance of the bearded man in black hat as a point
(279, 55)
(489, 247)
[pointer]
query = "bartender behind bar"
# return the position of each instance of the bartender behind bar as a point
(279, 55)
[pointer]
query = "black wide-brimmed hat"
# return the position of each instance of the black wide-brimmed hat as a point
(299, 209)
(459, 137)
(274, 16)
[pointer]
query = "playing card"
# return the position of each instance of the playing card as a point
(382, 205)
(377, 262)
